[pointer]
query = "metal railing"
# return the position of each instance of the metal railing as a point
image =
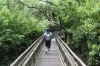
(69, 58)
(29, 56)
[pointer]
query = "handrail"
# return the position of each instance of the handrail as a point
(66, 57)
(32, 54)
(29, 56)
(26, 53)
(71, 52)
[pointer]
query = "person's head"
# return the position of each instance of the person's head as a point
(47, 30)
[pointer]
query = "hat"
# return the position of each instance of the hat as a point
(47, 30)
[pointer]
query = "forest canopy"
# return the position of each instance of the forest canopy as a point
(22, 20)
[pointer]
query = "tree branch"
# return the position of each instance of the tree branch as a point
(50, 3)
(35, 8)
(44, 12)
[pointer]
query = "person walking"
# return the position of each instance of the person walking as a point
(47, 37)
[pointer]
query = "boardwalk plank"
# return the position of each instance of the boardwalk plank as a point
(52, 58)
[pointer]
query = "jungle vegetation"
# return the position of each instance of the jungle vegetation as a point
(22, 20)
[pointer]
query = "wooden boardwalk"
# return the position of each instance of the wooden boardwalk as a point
(52, 58)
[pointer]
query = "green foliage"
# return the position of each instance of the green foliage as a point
(19, 26)
(17, 31)
(82, 17)
(94, 56)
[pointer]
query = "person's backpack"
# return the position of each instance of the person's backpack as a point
(47, 37)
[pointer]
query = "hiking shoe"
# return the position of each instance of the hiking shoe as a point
(46, 52)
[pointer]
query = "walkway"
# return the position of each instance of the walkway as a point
(52, 58)
(35, 55)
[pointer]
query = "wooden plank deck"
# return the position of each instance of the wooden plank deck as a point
(52, 58)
